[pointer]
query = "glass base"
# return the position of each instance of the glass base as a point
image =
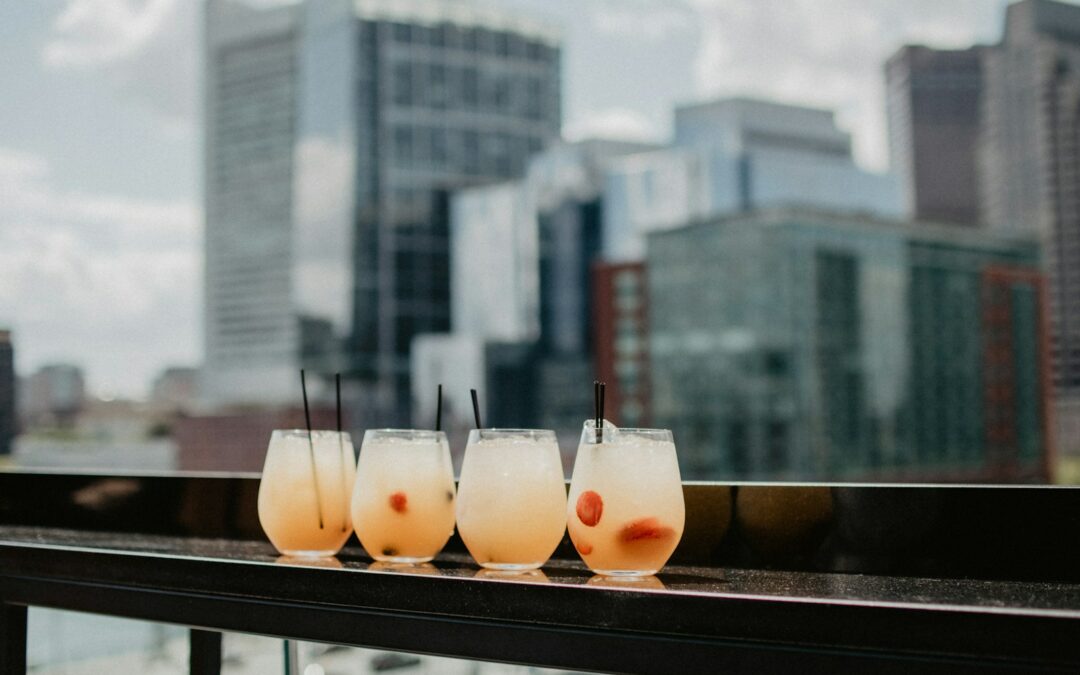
(403, 559)
(511, 567)
(328, 553)
(626, 574)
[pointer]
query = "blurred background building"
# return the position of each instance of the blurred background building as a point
(934, 102)
(334, 131)
(738, 154)
(1031, 165)
(54, 395)
(796, 344)
(9, 427)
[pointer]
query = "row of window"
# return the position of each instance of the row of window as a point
(441, 86)
(479, 40)
(465, 150)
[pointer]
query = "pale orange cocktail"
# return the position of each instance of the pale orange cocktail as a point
(511, 509)
(625, 513)
(304, 505)
(403, 500)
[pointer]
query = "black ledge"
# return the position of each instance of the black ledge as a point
(797, 615)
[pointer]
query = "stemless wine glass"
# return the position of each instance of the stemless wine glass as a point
(403, 502)
(625, 513)
(304, 505)
(511, 508)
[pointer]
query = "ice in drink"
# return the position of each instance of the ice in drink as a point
(304, 507)
(625, 513)
(511, 508)
(403, 501)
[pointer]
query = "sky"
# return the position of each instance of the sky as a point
(100, 146)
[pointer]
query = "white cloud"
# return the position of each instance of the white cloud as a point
(827, 54)
(146, 49)
(109, 282)
(641, 19)
(614, 124)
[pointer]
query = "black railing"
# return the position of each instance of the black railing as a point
(799, 578)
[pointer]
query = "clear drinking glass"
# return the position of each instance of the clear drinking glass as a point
(625, 513)
(403, 502)
(511, 506)
(304, 506)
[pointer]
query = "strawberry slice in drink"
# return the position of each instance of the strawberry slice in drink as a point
(644, 529)
(589, 508)
(399, 502)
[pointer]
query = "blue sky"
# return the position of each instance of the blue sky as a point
(100, 215)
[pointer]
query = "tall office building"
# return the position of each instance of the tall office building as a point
(8, 417)
(1030, 162)
(933, 101)
(734, 155)
(798, 344)
(335, 128)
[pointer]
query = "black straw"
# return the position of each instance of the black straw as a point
(438, 411)
(311, 447)
(476, 408)
(341, 447)
(596, 409)
(603, 389)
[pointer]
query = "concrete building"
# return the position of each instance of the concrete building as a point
(9, 426)
(933, 101)
(334, 129)
(175, 389)
(735, 155)
(796, 344)
(1030, 166)
(55, 395)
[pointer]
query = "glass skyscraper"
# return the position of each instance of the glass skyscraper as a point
(794, 344)
(335, 131)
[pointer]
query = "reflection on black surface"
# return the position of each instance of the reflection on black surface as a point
(521, 576)
(781, 523)
(327, 563)
(650, 582)
(1019, 533)
(424, 569)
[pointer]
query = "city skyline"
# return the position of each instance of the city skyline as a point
(101, 223)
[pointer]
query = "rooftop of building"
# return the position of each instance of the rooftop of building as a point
(971, 237)
(1046, 17)
(459, 13)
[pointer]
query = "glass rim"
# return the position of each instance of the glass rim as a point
(419, 434)
(499, 432)
(303, 433)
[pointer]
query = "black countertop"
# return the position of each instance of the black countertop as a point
(688, 619)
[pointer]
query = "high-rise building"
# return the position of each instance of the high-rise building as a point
(1030, 162)
(521, 289)
(8, 416)
(812, 345)
(933, 101)
(335, 129)
(735, 155)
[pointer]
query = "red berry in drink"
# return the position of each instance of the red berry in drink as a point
(583, 548)
(589, 508)
(643, 529)
(399, 502)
